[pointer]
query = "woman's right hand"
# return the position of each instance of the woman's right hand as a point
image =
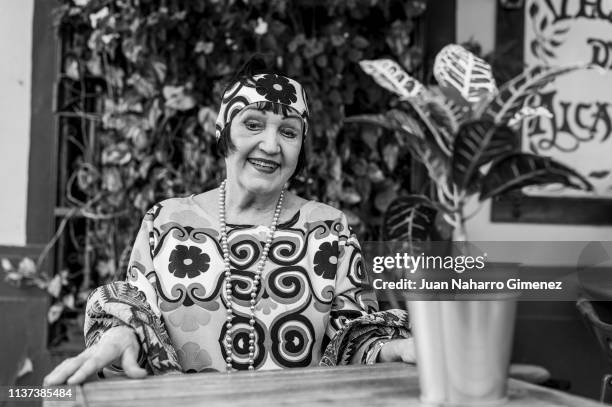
(117, 343)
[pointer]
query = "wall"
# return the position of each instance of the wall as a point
(476, 20)
(15, 82)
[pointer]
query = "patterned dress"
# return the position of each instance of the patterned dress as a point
(314, 282)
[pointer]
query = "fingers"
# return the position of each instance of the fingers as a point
(76, 370)
(117, 342)
(129, 363)
(63, 371)
(89, 367)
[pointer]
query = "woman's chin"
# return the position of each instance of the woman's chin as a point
(263, 183)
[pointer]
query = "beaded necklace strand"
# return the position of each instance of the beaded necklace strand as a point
(256, 279)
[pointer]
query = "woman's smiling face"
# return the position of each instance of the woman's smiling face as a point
(267, 149)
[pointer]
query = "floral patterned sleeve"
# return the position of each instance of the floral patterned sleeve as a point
(133, 303)
(355, 323)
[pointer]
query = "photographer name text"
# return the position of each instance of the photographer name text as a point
(466, 285)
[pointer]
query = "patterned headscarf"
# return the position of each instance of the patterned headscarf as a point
(261, 88)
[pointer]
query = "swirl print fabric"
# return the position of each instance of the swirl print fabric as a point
(313, 284)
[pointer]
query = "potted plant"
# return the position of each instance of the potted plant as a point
(464, 133)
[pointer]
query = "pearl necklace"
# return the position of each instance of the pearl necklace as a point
(256, 279)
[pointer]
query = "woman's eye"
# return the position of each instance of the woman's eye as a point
(289, 133)
(252, 125)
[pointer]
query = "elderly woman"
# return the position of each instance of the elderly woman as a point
(245, 276)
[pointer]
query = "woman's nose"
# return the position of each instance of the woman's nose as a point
(270, 142)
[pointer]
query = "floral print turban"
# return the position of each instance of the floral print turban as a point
(267, 87)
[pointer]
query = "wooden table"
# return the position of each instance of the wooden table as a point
(390, 384)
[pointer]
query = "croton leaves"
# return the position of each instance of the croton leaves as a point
(478, 142)
(518, 170)
(441, 114)
(528, 112)
(388, 74)
(408, 219)
(432, 135)
(512, 94)
(463, 77)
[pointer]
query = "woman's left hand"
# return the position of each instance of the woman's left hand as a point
(398, 350)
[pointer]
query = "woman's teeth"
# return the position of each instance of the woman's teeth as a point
(266, 165)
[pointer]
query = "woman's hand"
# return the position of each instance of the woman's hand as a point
(398, 350)
(117, 343)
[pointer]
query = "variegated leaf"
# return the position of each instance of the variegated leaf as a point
(437, 167)
(406, 123)
(427, 144)
(457, 113)
(409, 219)
(440, 114)
(477, 143)
(388, 74)
(528, 112)
(433, 134)
(464, 77)
(518, 170)
(431, 147)
(512, 95)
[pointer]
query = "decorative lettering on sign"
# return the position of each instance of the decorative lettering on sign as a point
(563, 33)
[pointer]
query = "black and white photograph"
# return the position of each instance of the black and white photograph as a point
(305, 203)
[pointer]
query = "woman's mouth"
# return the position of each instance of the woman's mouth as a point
(263, 165)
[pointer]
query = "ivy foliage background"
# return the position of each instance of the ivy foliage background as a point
(140, 87)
